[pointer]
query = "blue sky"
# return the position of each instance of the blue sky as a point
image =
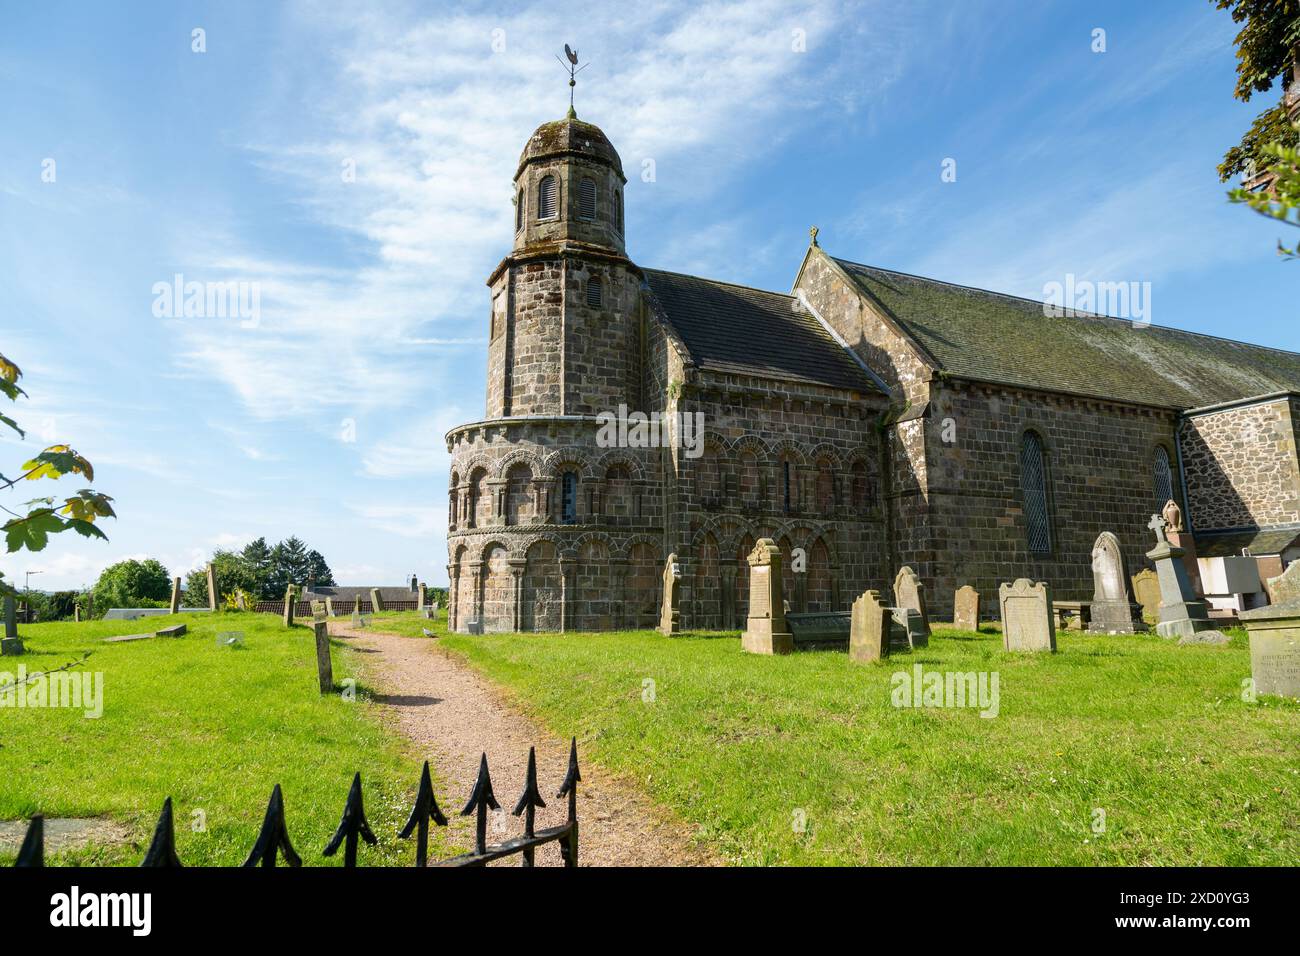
(326, 417)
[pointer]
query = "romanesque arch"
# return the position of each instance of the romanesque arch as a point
(498, 589)
(542, 599)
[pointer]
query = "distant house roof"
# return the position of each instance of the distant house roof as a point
(1000, 338)
(351, 593)
(735, 329)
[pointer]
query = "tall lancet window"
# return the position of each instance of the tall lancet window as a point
(1033, 483)
(1162, 477)
(587, 200)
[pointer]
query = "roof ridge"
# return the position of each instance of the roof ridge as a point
(734, 285)
(1078, 313)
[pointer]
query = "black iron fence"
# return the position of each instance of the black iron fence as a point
(273, 842)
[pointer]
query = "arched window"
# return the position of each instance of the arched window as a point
(1033, 483)
(1162, 477)
(546, 204)
(595, 292)
(519, 211)
(786, 484)
(587, 200)
(569, 498)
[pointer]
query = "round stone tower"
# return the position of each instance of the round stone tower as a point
(534, 500)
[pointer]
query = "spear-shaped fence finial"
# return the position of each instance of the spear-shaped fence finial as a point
(426, 809)
(569, 847)
(32, 852)
(274, 836)
(480, 800)
(351, 826)
(162, 851)
(528, 803)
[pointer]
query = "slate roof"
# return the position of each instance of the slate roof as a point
(1226, 544)
(735, 329)
(349, 593)
(1000, 338)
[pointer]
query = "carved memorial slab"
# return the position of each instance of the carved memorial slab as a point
(966, 609)
(870, 625)
(765, 628)
(1027, 616)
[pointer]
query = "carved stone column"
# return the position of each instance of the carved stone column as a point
(453, 596)
(727, 596)
(617, 584)
(542, 488)
(476, 582)
(596, 500)
(568, 592)
(517, 568)
(497, 489)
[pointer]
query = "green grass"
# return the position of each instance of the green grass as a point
(1154, 734)
(213, 727)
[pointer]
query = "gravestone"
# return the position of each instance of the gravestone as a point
(1146, 589)
(1286, 586)
(329, 607)
(318, 611)
(765, 629)
(356, 618)
(10, 644)
(76, 613)
(820, 628)
(127, 638)
(966, 609)
(474, 625)
(356, 606)
(421, 596)
(212, 588)
(376, 602)
(324, 665)
(670, 617)
(1027, 616)
(910, 628)
(909, 593)
(1181, 614)
(176, 630)
(1113, 609)
(289, 601)
(869, 629)
(1274, 633)
(176, 595)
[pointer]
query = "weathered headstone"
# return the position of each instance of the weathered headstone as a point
(1113, 609)
(1286, 586)
(76, 613)
(1027, 616)
(474, 625)
(10, 644)
(1275, 647)
(356, 606)
(820, 628)
(176, 630)
(910, 629)
(670, 621)
(1181, 613)
(324, 665)
(966, 609)
(329, 607)
(869, 634)
(212, 588)
(376, 602)
(290, 599)
(421, 596)
(1146, 588)
(318, 611)
(356, 618)
(765, 630)
(909, 593)
(176, 595)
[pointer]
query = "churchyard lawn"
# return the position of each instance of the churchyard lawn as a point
(215, 728)
(804, 759)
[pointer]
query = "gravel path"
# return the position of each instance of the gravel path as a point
(454, 715)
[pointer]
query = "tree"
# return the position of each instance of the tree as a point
(43, 517)
(318, 572)
(288, 566)
(1268, 47)
(1282, 202)
(132, 583)
(258, 557)
(233, 571)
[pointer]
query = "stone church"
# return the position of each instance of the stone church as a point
(871, 418)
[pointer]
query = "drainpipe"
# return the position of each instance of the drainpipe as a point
(1182, 474)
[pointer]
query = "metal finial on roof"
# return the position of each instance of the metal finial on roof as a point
(812, 233)
(574, 70)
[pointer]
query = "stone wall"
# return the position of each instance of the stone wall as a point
(1241, 465)
(1100, 474)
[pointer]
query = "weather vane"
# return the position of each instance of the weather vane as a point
(574, 70)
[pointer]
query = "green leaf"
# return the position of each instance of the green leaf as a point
(33, 531)
(85, 529)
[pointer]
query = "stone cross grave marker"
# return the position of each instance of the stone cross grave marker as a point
(324, 664)
(669, 614)
(966, 609)
(1113, 609)
(1181, 614)
(765, 629)
(1027, 616)
(869, 628)
(176, 595)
